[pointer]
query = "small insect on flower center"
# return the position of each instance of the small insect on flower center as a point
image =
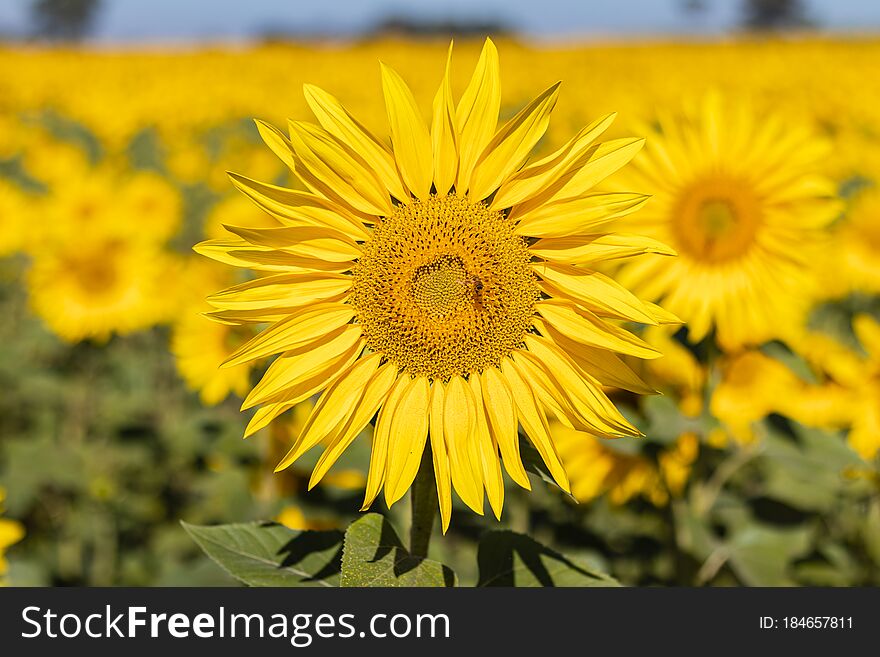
(444, 287)
(716, 219)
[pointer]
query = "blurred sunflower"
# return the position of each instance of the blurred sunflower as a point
(129, 206)
(11, 532)
(739, 196)
(235, 210)
(595, 468)
(856, 258)
(200, 345)
(148, 202)
(444, 283)
(754, 385)
(13, 208)
(855, 377)
(94, 287)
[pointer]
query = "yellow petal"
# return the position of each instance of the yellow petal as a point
(409, 134)
(488, 451)
(264, 415)
(296, 208)
(335, 405)
(546, 390)
(264, 259)
(302, 390)
(406, 439)
(240, 253)
(534, 422)
(334, 118)
(444, 138)
(603, 365)
(440, 454)
(304, 241)
(590, 249)
(260, 315)
(276, 141)
(661, 315)
(605, 160)
(306, 326)
(585, 327)
(281, 291)
(513, 143)
(459, 426)
(503, 424)
(593, 291)
(294, 371)
(328, 168)
(379, 452)
(374, 394)
(551, 172)
(594, 408)
(477, 113)
(575, 216)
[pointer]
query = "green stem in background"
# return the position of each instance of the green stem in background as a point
(423, 497)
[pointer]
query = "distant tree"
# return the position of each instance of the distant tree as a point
(694, 7)
(63, 20)
(418, 27)
(774, 14)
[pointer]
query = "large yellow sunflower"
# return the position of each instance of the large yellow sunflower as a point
(445, 283)
(740, 198)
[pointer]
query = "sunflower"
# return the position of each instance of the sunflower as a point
(13, 208)
(855, 262)
(99, 286)
(753, 385)
(138, 206)
(854, 375)
(11, 532)
(595, 468)
(445, 284)
(200, 345)
(740, 198)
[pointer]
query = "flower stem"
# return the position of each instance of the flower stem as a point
(423, 497)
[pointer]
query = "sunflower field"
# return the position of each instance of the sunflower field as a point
(665, 327)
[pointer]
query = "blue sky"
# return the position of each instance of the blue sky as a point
(183, 20)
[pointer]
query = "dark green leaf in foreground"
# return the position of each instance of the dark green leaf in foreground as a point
(506, 558)
(268, 554)
(374, 556)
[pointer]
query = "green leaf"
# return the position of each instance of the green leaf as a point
(665, 421)
(506, 558)
(806, 473)
(761, 555)
(268, 554)
(374, 556)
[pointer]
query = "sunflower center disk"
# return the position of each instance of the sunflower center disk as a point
(444, 287)
(717, 220)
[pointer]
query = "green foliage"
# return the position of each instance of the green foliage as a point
(268, 554)
(510, 559)
(374, 556)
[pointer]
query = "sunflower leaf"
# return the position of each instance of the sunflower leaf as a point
(506, 558)
(268, 554)
(374, 556)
